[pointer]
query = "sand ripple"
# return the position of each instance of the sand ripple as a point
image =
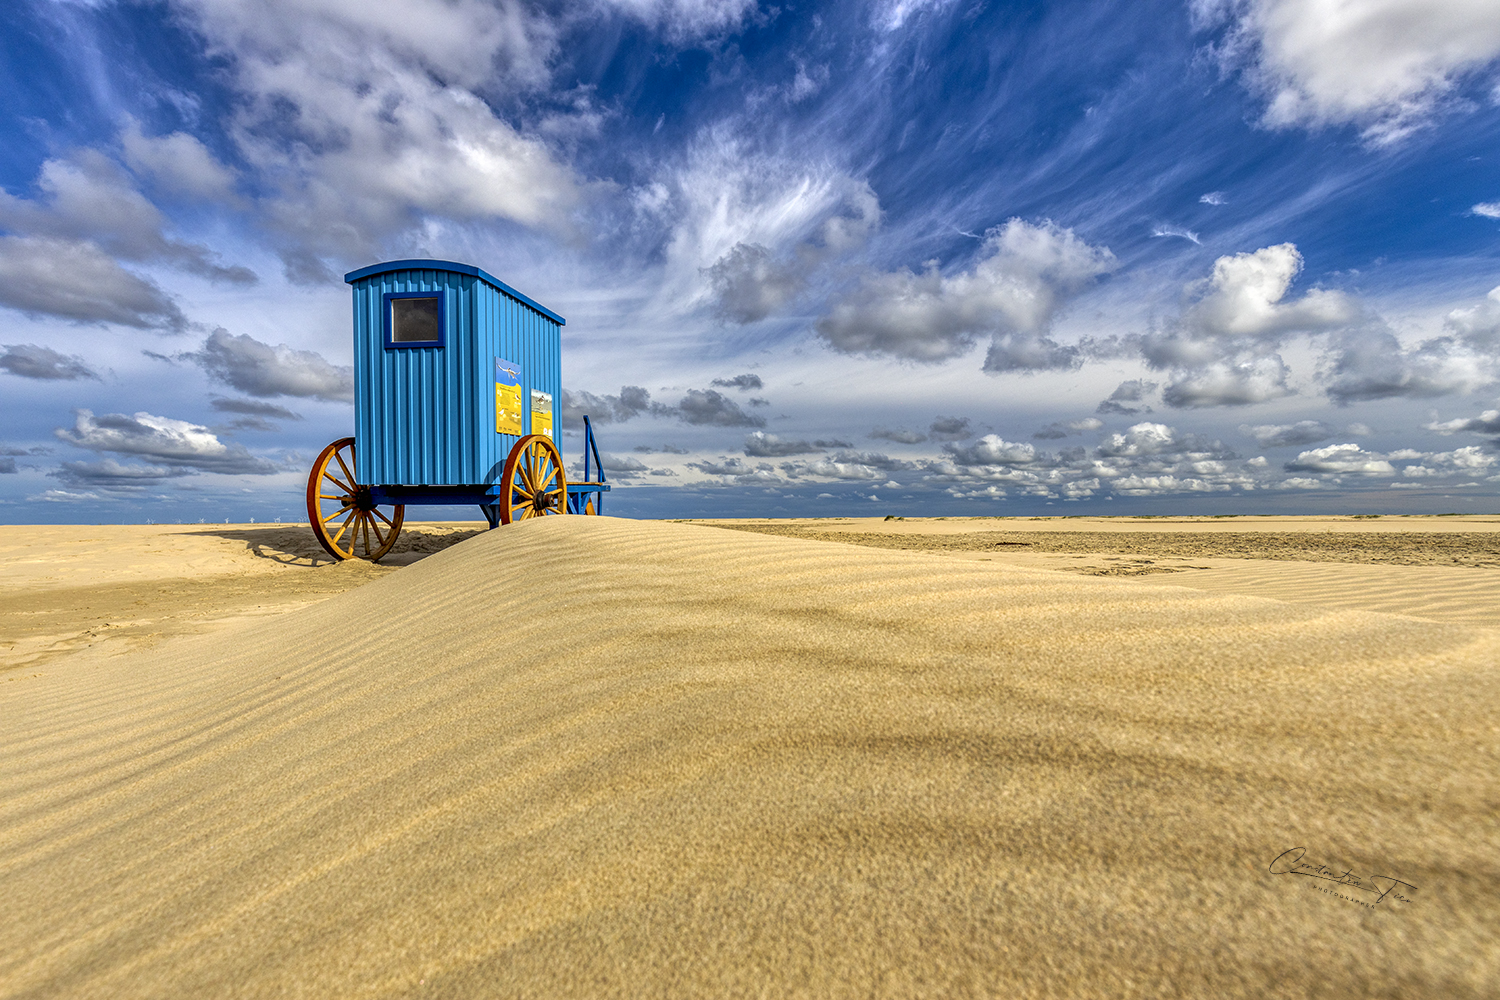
(589, 757)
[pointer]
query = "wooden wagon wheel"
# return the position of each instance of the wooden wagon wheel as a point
(343, 516)
(533, 480)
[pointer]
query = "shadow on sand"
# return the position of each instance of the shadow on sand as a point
(294, 544)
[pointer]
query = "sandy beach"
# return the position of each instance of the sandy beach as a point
(590, 757)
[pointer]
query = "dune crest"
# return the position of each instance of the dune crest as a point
(593, 757)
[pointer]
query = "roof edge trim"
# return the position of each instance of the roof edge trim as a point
(428, 264)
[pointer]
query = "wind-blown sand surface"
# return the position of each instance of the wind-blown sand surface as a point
(107, 588)
(591, 757)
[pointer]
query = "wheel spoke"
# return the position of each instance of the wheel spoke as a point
(337, 481)
(375, 528)
(350, 521)
(345, 467)
(376, 512)
(335, 514)
(551, 475)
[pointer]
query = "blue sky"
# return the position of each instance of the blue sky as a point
(914, 256)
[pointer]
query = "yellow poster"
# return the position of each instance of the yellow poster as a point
(509, 416)
(541, 412)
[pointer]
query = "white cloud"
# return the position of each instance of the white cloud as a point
(1178, 231)
(76, 280)
(88, 200)
(993, 450)
(367, 116)
(1141, 439)
(1387, 66)
(177, 443)
(180, 165)
(1024, 276)
(1213, 198)
(744, 228)
(1246, 297)
(1478, 327)
(32, 361)
(891, 15)
(1371, 364)
(1284, 435)
(1223, 347)
(1348, 459)
(1146, 485)
(684, 20)
(749, 283)
(1230, 384)
(759, 444)
(1487, 422)
(258, 369)
(1488, 209)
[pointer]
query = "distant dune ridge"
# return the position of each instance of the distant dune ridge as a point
(588, 757)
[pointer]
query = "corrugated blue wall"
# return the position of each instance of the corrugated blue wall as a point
(425, 416)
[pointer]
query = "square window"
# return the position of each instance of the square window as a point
(416, 320)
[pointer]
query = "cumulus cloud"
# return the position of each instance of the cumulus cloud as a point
(1286, 435)
(1246, 297)
(1347, 459)
(898, 436)
(32, 361)
(1132, 391)
(1488, 209)
(759, 444)
(169, 442)
(749, 283)
(632, 401)
(180, 165)
(44, 276)
(1060, 429)
(253, 408)
(742, 382)
(1222, 350)
(949, 428)
(1487, 422)
(1385, 67)
(112, 475)
(258, 369)
(1477, 328)
(1372, 364)
(88, 201)
(1141, 439)
(1230, 384)
(728, 467)
(697, 406)
(1024, 276)
(992, 450)
(367, 118)
(707, 406)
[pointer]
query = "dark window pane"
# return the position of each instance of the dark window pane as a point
(414, 320)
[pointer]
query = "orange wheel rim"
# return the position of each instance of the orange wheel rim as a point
(344, 520)
(533, 483)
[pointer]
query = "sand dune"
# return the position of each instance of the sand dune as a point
(65, 589)
(590, 757)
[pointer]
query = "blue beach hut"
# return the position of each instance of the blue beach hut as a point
(457, 381)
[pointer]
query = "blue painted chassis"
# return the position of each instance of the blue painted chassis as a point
(487, 496)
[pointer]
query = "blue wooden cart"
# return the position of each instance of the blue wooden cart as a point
(457, 377)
